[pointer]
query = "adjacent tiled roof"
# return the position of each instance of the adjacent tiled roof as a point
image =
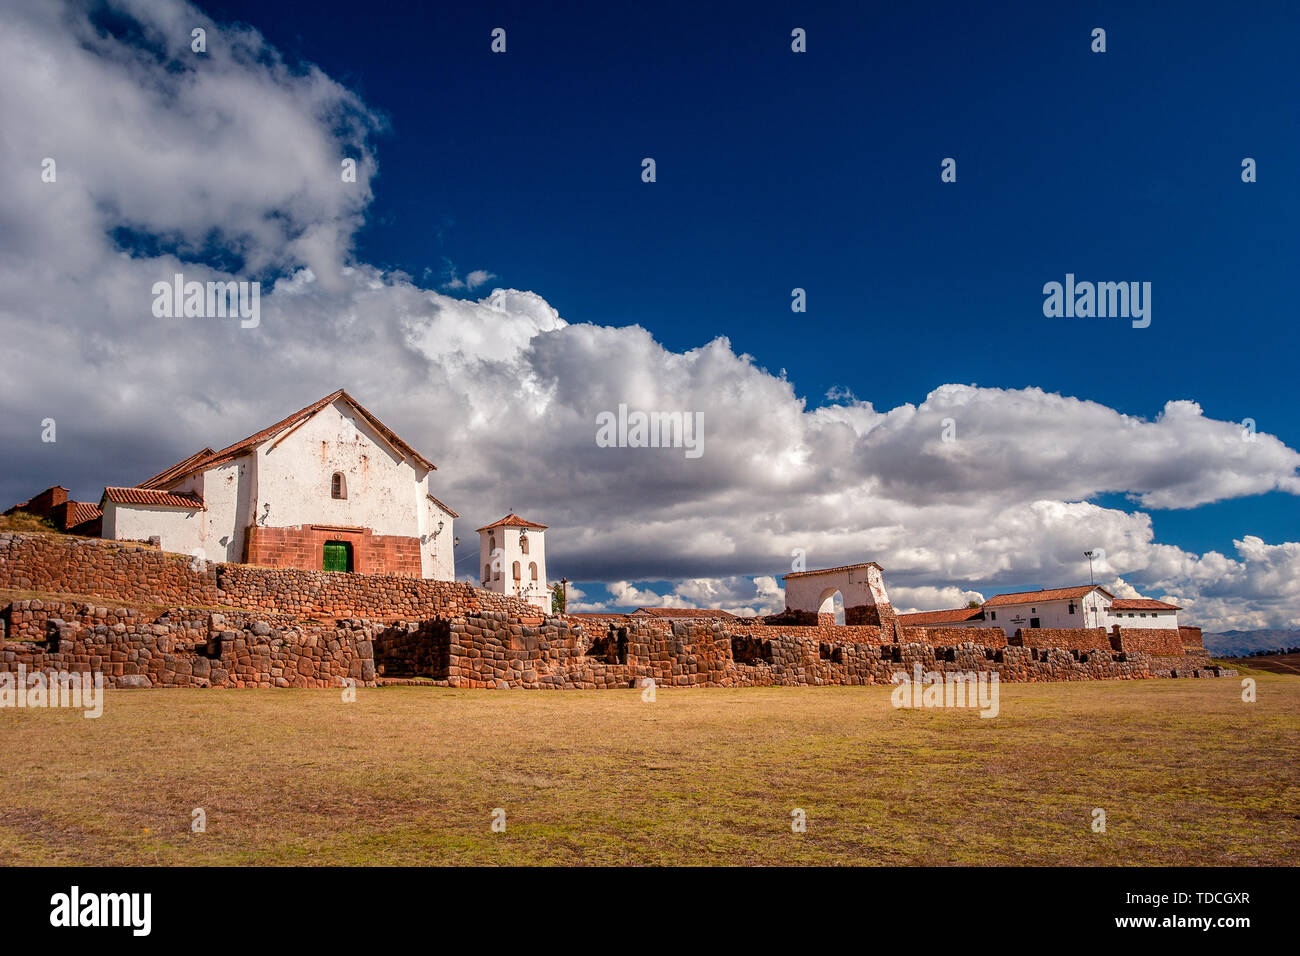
(843, 567)
(1051, 594)
(956, 615)
(443, 507)
(150, 496)
(79, 511)
(176, 470)
(1141, 604)
(202, 462)
(512, 520)
(684, 612)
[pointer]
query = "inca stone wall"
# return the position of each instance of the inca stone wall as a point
(495, 650)
(1069, 638)
(131, 574)
(1163, 642)
(182, 648)
(374, 596)
(185, 648)
(104, 569)
(260, 627)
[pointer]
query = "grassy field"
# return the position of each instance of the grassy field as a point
(1186, 773)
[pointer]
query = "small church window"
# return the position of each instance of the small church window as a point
(516, 569)
(492, 544)
(487, 573)
(523, 543)
(532, 569)
(338, 486)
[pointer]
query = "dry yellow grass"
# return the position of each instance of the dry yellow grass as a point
(27, 523)
(1186, 772)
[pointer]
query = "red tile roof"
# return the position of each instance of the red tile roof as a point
(957, 615)
(150, 496)
(176, 470)
(512, 520)
(843, 567)
(1141, 604)
(79, 511)
(1051, 594)
(684, 612)
(443, 507)
(202, 462)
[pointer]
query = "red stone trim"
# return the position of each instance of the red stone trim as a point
(303, 548)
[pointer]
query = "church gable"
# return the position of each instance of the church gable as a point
(336, 467)
(338, 435)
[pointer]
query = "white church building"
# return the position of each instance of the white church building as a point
(328, 488)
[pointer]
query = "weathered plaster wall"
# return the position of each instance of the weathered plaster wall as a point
(286, 483)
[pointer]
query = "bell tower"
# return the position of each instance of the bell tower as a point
(512, 560)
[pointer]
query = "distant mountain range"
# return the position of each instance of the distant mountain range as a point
(1241, 643)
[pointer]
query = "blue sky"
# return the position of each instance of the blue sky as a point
(821, 171)
(775, 171)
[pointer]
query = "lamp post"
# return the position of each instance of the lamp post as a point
(1090, 555)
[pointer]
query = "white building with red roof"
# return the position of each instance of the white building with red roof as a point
(1088, 605)
(1083, 606)
(328, 488)
(512, 557)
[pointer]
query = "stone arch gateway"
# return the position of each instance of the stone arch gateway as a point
(810, 593)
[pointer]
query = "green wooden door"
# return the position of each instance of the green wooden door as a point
(338, 556)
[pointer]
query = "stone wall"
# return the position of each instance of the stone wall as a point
(953, 636)
(27, 620)
(183, 649)
(497, 650)
(379, 596)
(134, 574)
(1162, 642)
(835, 633)
(96, 568)
(1069, 638)
(876, 615)
(414, 649)
(464, 636)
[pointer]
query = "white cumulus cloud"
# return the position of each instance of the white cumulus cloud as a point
(227, 165)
